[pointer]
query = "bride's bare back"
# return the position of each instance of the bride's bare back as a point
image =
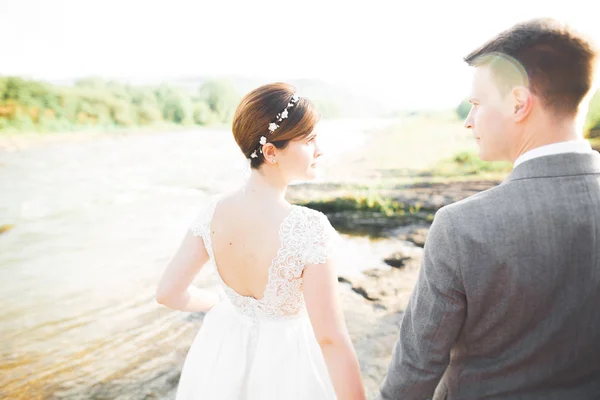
(245, 235)
(263, 274)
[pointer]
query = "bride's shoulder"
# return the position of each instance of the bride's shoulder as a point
(311, 213)
(203, 216)
(314, 219)
(227, 200)
(319, 236)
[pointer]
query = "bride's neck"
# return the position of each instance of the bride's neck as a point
(267, 184)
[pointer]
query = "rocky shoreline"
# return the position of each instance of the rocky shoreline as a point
(374, 303)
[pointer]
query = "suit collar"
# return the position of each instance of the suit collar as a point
(565, 164)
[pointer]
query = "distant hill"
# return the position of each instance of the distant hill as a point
(332, 100)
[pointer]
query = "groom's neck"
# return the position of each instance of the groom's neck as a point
(545, 131)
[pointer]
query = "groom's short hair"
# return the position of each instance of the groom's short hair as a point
(557, 63)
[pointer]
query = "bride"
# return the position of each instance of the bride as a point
(280, 334)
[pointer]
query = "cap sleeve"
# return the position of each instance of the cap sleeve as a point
(322, 240)
(200, 226)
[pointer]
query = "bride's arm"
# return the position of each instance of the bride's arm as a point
(327, 319)
(174, 290)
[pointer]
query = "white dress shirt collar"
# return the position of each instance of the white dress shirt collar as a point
(571, 146)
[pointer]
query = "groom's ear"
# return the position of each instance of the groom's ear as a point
(522, 102)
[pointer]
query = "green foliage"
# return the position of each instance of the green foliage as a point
(203, 115)
(221, 98)
(469, 163)
(463, 109)
(370, 214)
(591, 128)
(149, 114)
(371, 203)
(177, 107)
(27, 106)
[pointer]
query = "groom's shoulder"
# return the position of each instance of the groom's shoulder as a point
(476, 214)
(495, 198)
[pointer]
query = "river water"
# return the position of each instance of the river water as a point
(92, 226)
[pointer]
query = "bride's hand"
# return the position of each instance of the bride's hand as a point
(205, 299)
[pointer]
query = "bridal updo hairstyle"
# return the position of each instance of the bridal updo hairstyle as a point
(259, 108)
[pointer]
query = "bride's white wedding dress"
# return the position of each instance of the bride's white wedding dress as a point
(263, 349)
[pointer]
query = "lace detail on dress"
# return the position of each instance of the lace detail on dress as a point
(320, 242)
(244, 304)
(302, 243)
(306, 237)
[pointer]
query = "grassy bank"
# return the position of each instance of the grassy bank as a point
(467, 163)
(416, 149)
(370, 214)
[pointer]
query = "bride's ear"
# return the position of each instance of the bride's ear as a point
(269, 153)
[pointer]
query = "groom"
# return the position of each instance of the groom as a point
(507, 305)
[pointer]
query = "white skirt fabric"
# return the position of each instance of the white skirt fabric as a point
(236, 357)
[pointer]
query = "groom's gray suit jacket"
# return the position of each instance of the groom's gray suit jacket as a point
(507, 305)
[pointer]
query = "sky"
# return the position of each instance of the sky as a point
(409, 54)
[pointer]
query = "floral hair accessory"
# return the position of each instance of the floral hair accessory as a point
(275, 124)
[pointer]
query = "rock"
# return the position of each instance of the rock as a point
(418, 236)
(373, 306)
(397, 259)
(387, 289)
(434, 195)
(373, 332)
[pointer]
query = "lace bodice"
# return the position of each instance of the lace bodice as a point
(306, 237)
